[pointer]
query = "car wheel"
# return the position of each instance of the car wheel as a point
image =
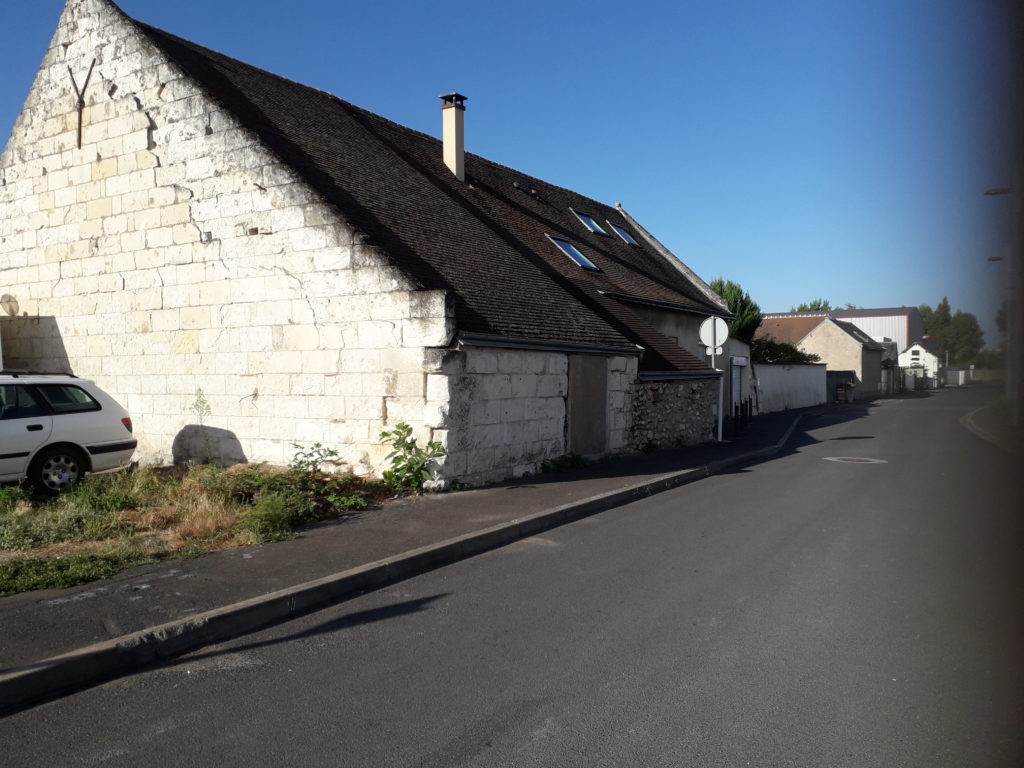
(56, 469)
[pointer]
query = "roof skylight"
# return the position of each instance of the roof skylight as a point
(573, 252)
(624, 234)
(589, 222)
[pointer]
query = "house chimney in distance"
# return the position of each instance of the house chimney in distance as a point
(453, 133)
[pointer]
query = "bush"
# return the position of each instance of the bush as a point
(270, 518)
(565, 461)
(410, 464)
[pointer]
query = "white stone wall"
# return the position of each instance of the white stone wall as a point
(499, 412)
(622, 373)
(781, 387)
(172, 253)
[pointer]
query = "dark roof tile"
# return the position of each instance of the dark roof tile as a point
(484, 241)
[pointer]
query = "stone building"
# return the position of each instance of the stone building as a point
(842, 346)
(249, 263)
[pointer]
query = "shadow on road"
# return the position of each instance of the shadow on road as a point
(762, 433)
(359, 618)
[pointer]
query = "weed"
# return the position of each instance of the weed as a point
(201, 408)
(268, 519)
(22, 575)
(410, 464)
(11, 497)
(312, 460)
(110, 522)
(565, 461)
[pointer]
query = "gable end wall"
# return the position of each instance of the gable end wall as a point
(173, 255)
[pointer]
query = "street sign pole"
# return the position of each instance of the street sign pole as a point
(713, 333)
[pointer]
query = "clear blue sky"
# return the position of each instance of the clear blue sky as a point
(805, 149)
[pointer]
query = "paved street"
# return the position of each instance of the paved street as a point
(800, 612)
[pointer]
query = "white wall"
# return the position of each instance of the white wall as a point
(173, 253)
(782, 387)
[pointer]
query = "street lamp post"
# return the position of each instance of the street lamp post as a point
(1013, 307)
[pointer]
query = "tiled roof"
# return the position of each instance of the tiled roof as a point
(483, 240)
(866, 341)
(788, 329)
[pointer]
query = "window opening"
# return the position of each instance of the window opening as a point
(573, 253)
(624, 234)
(589, 222)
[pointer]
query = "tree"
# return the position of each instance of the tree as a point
(957, 333)
(771, 351)
(817, 305)
(747, 314)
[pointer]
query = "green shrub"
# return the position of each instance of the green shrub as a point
(11, 496)
(26, 574)
(565, 461)
(267, 519)
(410, 464)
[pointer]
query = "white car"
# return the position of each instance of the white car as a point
(56, 427)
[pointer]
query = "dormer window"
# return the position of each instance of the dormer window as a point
(623, 234)
(589, 222)
(573, 253)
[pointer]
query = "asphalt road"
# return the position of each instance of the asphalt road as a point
(801, 612)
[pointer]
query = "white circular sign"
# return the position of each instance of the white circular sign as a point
(713, 332)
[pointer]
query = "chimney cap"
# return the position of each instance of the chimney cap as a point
(453, 98)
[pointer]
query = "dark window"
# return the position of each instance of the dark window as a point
(573, 253)
(65, 398)
(589, 222)
(17, 402)
(624, 234)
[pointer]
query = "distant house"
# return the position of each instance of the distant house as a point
(922, 360)
(902, 325)
(252, 263)
(842, 346)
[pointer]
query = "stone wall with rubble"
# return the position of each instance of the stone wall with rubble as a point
(178, 263)
(673, 414)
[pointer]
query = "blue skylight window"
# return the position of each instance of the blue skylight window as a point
(624, 234)
(589, 222)
(573, 253)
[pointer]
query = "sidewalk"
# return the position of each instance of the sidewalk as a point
(55, 641)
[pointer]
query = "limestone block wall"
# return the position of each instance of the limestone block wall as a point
(173, 259)
(622, 373)
(835, 347)
(499, 412)
(672, 414)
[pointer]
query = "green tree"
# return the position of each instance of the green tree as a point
(957, 333)
(817, 305)
(771, 351)
(747, 314)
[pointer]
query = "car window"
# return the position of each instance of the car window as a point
(17, 402)
(67, 398)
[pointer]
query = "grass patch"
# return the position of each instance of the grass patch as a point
(24, 574)
(111, 522)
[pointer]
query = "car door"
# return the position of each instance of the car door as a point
(25, 425)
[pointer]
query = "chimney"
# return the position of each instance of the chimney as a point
(453, 133)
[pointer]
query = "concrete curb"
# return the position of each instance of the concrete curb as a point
(28, 685)
(968, 422)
